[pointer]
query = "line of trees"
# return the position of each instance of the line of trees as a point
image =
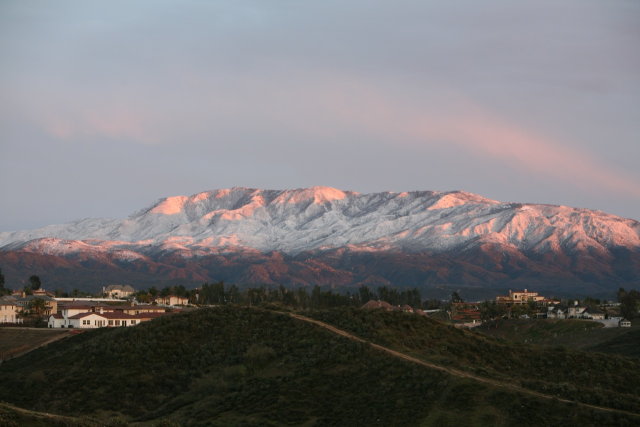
(303, 298)
(219, 293)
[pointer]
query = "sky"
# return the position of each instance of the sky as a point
(107, 106)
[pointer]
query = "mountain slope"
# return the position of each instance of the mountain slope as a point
(293, 235)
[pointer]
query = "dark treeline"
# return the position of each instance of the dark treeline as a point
(315, 298)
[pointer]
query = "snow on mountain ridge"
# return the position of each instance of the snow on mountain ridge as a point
(299, 220)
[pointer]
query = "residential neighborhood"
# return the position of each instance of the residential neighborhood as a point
(117, 308)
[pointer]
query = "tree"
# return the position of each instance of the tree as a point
(34, 282)
(37, 307)
(629, 303)
(233, 294)
(455, 297)
(365, 294)
(3, 290)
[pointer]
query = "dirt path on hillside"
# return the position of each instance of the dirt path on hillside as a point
(25, 345)
(8, 410)
(455, 372)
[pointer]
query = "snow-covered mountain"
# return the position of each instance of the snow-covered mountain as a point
(323, 221)
(294, 221)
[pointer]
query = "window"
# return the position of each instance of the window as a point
(117, 323)
(133, 322)
(110, 322)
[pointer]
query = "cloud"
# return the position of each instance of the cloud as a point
(303, 104)
(487, 134)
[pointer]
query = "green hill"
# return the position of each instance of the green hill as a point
(572, 333)
(239, 366)
(626, 342)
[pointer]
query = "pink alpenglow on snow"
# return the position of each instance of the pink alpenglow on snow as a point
(170, 206)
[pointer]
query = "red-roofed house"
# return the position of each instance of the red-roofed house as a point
(98, 316)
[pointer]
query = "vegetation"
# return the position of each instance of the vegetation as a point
(629, 303)
(558, 371)
(626, 343)
(11, 416)
(573, 333)
(3, 290)
(248, 366)
(15, 341)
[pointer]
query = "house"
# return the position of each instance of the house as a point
(100, 320)
(56, 321)
(43, 292)
(556, 312)
(10, 310)
(407, 308)
(80, 314)
(172, 300)
(463, 312)
(575, 311)
(593, 313)
(118, 291)
(87, 320)
(143, 309)
(20, 303)
(519, 297)
(624, 323)
(373, 305)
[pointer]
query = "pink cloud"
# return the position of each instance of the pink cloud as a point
(494, 137)
(338, 106)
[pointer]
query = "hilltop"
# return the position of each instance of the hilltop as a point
(226, 365)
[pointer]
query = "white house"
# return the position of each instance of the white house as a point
(87, 315)
(87, 320)
(554, 312)
(94, 319)
(624, 323)
(575, 311)
(57, 321)
(594, 314)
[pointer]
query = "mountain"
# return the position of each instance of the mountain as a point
(331, 237)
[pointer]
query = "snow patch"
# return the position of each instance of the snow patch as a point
(170, 206)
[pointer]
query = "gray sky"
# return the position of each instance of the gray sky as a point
(108, 105)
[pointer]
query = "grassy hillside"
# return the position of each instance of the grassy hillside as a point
(571, 333)
(607, 380)
(239, 366)
(16, 341)
(11, 416)
(627, 342)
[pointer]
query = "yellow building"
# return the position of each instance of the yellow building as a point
(519, 297)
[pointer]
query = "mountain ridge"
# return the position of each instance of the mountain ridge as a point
(331, 237)
(294, 221)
